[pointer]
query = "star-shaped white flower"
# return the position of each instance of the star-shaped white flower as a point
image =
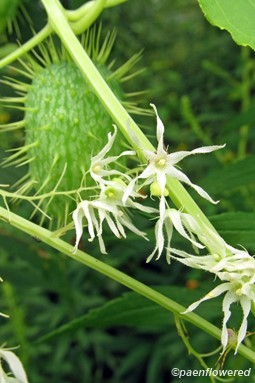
(162, 164)
(236, 268)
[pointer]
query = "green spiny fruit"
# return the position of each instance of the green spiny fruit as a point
(65, 125)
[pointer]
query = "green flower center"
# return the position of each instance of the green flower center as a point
(161, 163)
(110, 193)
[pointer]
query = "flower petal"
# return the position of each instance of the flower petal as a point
(77, 218)
(159, 241)
(176, 218)
(229, 298)
(178, 156)
(15, 365)
(246, 307)
(212, 294)
(175, 173)
(160, 132)
(106, 148)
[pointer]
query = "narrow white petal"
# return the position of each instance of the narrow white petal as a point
(141, 207)
(229, 298)
(129, 190)
(106, 148)
(176, 218)
(161, 178)
(160, 131)
(77, 218)
(175, 173)
(246, 307)
(88, 213)
(120, 227)
(99, 225)
(159, 236)
(176, 157)
(125, 221)
(162, 208)
(112, 226)
(101, 244)
(212, 294)
(15, 365)
(149, 155)
(169, 234)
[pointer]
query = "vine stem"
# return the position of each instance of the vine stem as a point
(30, 44)
(50, 239)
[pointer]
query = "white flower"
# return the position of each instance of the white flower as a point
(108, 207)
(99, 164)
(244, 293)
(237, 269)
(161, 164)
(15, 366)
(184, 223)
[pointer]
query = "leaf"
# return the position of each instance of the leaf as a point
(236, 228)
(236, 16)
(135, 311)
(231, 177)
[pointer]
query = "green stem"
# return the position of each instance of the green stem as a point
(113, 106)
(30, 44)
(77, 14)
(48, 237)
(89, 17)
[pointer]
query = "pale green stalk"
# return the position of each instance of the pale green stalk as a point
(78, 14)
(30, 44)
(89, 17)
(48, 237)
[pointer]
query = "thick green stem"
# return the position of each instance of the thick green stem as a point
(48, 237)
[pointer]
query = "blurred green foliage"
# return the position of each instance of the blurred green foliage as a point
(203, 86)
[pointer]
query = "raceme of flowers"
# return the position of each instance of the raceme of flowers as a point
(117, 195)
(236, 269)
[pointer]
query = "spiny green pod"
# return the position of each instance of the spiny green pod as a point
(65, 124)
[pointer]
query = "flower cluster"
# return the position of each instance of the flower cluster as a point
(118, 192)
(236, 269)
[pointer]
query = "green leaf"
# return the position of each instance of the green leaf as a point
(135, 311)
(236, 16)
(231, 177)
(236, 228)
